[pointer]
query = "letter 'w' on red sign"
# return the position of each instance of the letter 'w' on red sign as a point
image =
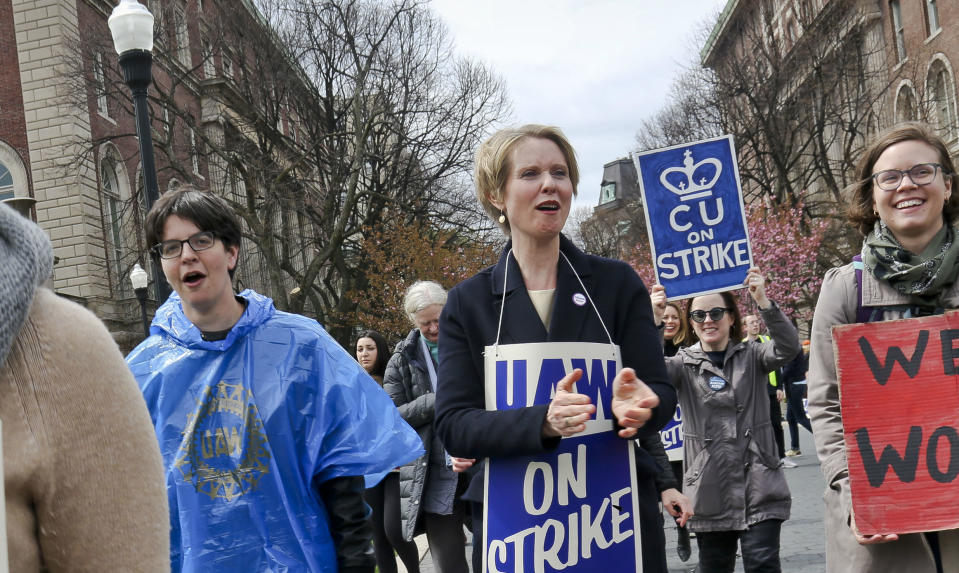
(899, 392)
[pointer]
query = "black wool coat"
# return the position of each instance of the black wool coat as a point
(469, 323)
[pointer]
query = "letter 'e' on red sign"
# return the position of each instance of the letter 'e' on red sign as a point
(899, 393)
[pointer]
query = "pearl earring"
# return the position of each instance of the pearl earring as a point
(502, 217)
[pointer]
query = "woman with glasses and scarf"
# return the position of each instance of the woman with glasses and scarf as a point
(733, 473)
(904, 205)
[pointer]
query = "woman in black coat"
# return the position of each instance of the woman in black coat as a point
(372, 352)
(526, 178)
(429, 485)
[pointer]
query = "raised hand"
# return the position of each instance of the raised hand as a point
(757, 287)
(633, 402)
(657, 296)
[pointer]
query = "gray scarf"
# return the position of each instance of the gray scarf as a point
(26, 260)
(923, 277)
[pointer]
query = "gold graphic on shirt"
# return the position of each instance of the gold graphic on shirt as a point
(223, 452)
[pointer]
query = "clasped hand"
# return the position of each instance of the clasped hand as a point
(569, 411)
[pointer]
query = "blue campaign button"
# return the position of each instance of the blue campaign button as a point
(717, 383)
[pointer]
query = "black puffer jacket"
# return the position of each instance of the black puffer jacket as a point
(407, 381)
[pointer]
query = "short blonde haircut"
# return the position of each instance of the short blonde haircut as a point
(420, 295)
(493, 163)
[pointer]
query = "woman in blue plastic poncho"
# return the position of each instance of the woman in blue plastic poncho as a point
(266, 425)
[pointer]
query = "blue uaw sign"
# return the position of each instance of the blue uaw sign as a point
(572, 509)
(672, 437)
(695, 217)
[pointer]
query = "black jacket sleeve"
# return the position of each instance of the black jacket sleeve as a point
(665, 479)
(349, 523)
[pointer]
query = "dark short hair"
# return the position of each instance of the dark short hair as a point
(382, 350)
(207, 211)
(859, 211)
(736, 330)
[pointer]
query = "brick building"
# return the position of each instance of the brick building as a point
(834, 73)
(67, 135)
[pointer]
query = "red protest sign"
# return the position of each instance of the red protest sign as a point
(899, 393)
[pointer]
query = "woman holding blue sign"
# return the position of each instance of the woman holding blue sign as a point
(543, 295)
(722, 393)
(908, 265)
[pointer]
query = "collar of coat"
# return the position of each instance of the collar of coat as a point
(521, 323)
(695, 355)
(410, 348)
(171, 320)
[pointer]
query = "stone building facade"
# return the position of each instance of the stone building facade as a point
(67, 133)
(618, 222)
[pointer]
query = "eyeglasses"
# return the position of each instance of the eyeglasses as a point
(716, 314)
(921, 174)
(198, 242)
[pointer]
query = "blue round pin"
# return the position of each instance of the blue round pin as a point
(579, 299)
(717, 383)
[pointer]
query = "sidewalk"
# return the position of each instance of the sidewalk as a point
(426, 564)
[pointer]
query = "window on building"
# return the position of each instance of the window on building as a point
(607, 192)
(792, 31)
(932, 17)
(156, 8)
(166, 120)
(182, 34)
(898, 32)
(113, 223)
(227, 65)
(209, 70)
(943, 99)
(905, 105)
(6, 183)
(100, 84)
(194, 152)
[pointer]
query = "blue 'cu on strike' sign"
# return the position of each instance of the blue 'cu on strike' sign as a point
(695, 217)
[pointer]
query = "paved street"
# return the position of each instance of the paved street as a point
(802, 547)
(803, 543)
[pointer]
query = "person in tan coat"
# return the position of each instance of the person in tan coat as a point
(82, 472)
(905, 206)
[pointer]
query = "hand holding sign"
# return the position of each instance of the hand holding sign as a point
(632, 403)
(870, 539)
(757, 287)
(657, 296)
(568, 411)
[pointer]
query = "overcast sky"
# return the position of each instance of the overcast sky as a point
(595, 68)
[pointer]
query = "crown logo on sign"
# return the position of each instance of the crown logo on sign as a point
(688, 187)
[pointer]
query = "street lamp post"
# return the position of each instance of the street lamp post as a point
(139, 280)
(132, 27)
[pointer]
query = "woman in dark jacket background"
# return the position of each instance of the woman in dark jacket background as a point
(429, 486)
(372, 352)
(525, 179)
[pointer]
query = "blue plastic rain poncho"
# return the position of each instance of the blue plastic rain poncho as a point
(247, 423)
